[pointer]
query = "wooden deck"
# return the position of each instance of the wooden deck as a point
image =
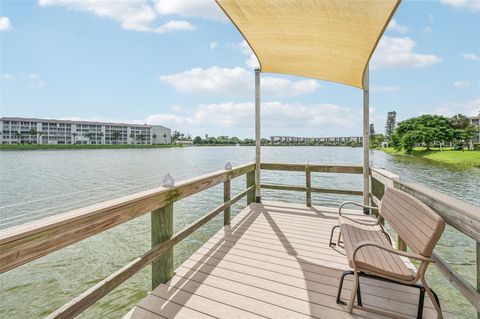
(273, 261)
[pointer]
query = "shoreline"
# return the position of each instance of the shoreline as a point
(35, 147)
(466, 159)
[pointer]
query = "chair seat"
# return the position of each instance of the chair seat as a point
(370, 259)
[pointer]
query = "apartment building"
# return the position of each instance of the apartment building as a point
(315, 140)
(16, 130)
(475, 121)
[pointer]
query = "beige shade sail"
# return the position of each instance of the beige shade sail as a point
(331, 40)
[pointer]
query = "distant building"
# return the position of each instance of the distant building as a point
(278, 140)
(475, 120)
(17, 130)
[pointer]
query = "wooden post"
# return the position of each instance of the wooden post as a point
(378, 189)
(308, 185)
(366, 130)
(162, 229)
(478, 272)
(250, 183)
(226, 198)
(257, 136)
(401, 244)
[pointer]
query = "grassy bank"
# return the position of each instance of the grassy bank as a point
(26, 147)
(448, 156)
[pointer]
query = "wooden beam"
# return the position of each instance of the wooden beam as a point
(257, 136)
(226, 198)
(478, 273)
(366, 132)
(95, 293)
(250, 179)
(162, 230)
(24, 243)
(317, 168)
(462, 285)
(308, 186)
(312, 189)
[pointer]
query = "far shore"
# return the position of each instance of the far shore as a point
(31, 147)
(461, 158)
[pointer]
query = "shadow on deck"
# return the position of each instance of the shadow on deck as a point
(273, 261)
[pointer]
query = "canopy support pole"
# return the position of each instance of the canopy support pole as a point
(366, 142)
(258, 197)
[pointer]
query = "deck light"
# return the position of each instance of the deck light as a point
(168, 181)
(228, 166)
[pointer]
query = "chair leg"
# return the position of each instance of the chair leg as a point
(340, 286)
(421, 300)
(331, 243)
(433, 297)
(354, 292)
(359, 294)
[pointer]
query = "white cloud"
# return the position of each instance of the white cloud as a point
(135, 15)
(7, 77)
(384, 88)
(244, 48)
(399, 52)
(213, 45)
(277, 118)
(469, 108)
(461, 84)
(427, 30)
(470, 56)
(395, 26)
(472, 5)
(235, 82)
(35, 81)
(206, 9)
(5, 24)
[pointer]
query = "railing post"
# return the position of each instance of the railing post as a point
(162, 230)
(378, 189)
(226, 198)
(478, 272)
(308, 185)
(250, 183)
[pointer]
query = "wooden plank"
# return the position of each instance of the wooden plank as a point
(24, 243)
(337, 191)
(162, 230)
(462, 285)
(250, 179)
(257, 136)
(312, 189)
(319, 168)
(308, 186)
(95, 293)
(366, 139)
(226, 198)
(284, 187)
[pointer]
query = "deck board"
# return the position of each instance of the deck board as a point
(273, 261)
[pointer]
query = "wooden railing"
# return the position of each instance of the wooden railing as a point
(308, 169)
(460, 215)
(25, 243)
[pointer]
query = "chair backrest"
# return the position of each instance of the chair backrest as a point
(416, 223)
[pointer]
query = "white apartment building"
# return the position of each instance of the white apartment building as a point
(475, 121)
(316, 140)
(17, 130)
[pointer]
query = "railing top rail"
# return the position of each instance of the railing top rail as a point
(462, 215)
(321, 168)
(27, 242)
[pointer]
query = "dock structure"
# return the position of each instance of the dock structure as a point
(273, 261)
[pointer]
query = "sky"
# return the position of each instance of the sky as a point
(183, 65)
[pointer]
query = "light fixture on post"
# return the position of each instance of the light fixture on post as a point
(228, 166)
(168, 181)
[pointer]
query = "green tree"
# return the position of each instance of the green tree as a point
(164, 138)
(197, 140)
(32, 132)
(132, 136)
(74, 135)
(116, 136)
(154, 136)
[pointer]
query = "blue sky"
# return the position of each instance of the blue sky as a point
(183, 65)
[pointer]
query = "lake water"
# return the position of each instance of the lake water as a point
(36, 184)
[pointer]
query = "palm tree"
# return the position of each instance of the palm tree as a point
(116, 135)
(39, 136)
(74, 137)
(154, 138)
(132, 136)
(165, 138)
(32, 132)
(18, 135)
(101, 135)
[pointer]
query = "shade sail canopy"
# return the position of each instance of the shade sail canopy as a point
(331, 40)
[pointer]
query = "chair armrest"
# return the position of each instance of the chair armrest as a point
(353, 203)
(367, 243)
